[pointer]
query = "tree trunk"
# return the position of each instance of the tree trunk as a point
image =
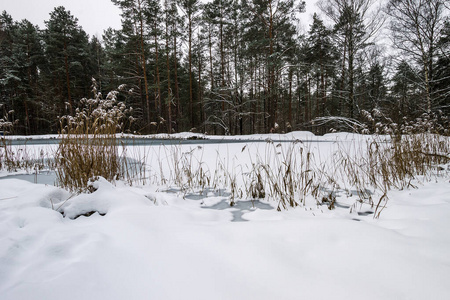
(211, 74)
(66, 64)
(290, 97)
(158, 106)
(200, 98)
(143, 60)
(169, 89)
(177, 93)
(271, 74)
(191, 96)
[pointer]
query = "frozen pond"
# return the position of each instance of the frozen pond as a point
(45, 177)
(158, 142)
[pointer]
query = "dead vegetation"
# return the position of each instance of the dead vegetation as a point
(89, 146)
(288, 173)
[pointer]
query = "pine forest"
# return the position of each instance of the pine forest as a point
(233, 67)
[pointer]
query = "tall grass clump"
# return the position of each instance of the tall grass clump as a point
(5, 146)
(14, 158)
(6, 155)
(286, 173)
(389, 162)
(89, 146)
(186, 169)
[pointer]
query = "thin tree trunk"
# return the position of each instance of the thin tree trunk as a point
(290, 97)
(251, 96)
(143, 60)
(351, 83)
(210, 59)
(158, 105)
(27, 121)
(177, 93)
(169, 89)
(191, 97)
(200, 98)
(272, 101)
(66, 63)
(222, 58)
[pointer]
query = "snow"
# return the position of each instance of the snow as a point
(154, 242)
(295, 135)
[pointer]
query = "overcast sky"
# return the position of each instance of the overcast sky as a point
(93, 15)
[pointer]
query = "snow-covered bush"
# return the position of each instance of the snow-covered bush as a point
(98, 116)
(5, 124)
(375, 122)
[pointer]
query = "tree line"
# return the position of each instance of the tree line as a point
(235, 66)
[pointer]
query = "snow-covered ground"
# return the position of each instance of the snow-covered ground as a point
(157, 242)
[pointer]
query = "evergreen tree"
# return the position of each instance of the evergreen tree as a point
(20, 62)
(442, 72)
(356, 22)
(28, 55)
(191, 11)
(9, 75)
(322, 56)
(134, 45)
(405, 92)
(273, 19)
(376, 90)
(215, 22)
(97, 64)
(229, 66)
(67, 54)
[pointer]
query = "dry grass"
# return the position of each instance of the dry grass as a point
(80, 158)
(289, 173)
(15, 158)
(89, 147)
(384, 165)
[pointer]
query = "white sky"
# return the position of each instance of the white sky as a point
(93, 15)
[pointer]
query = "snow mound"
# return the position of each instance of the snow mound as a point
(104, 197)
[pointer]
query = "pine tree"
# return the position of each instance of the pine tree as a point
(29, 57)
(442, 73)
(406, 83)
(134, 42)
(67, 55)
(273, 19)
(191, 10)
(356, 22)
(322, 56)
(9, 77)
